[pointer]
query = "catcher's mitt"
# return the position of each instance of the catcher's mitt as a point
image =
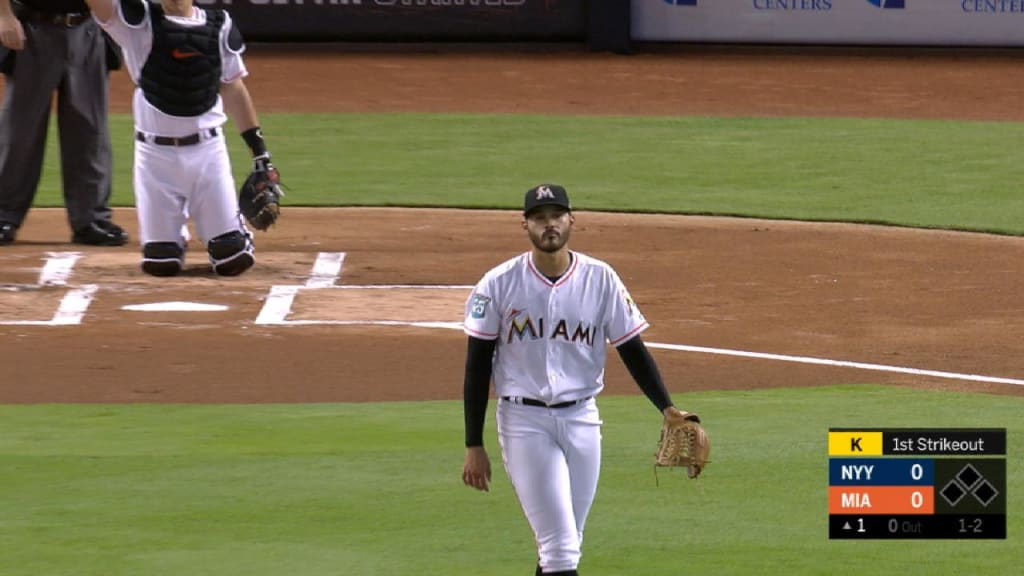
(260, 196)
(683, 443)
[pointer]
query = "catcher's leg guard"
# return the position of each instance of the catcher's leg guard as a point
(231, 253)
(162, 258)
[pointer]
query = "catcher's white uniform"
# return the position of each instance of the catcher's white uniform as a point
(174, 182)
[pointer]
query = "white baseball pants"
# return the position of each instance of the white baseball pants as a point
(173, 184)
(553, 459)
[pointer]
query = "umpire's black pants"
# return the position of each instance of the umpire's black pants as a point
(72, 62)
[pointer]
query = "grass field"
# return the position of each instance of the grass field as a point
(355, 489)
(960, 175)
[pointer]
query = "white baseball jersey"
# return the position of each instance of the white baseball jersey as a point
(551, 336)
(136, 43)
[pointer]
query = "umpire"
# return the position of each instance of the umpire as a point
(47, 46)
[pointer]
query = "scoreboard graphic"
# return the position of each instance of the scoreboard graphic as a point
(903, 483)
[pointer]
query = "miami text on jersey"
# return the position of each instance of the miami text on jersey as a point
(520, 327)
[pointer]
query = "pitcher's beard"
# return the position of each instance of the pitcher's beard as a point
(550, 245)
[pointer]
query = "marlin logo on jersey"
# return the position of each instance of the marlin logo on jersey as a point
(523, 327)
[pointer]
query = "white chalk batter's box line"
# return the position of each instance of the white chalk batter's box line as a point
(327, 269)
(55, 273)
(279, 304)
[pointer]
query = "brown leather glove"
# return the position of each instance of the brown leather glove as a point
(683, 443)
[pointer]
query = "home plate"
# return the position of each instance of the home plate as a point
(175, 307)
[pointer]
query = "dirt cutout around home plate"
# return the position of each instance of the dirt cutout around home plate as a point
(370, 310)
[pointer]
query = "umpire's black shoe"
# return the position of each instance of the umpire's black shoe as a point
(100, 233)
(7, 233)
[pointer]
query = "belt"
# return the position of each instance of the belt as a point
(539, 404)
(190, 140)
(57, 18)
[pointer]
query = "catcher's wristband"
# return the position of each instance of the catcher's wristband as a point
(262, 163)
(254, 140)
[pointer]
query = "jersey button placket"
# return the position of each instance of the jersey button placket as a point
(554, 357)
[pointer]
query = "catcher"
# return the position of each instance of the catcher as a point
(187, 66)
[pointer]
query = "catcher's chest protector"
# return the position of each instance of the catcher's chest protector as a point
(181, 77)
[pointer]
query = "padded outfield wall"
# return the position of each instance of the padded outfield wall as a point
(991, 23)
(407, 20)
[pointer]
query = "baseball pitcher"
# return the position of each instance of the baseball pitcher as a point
(539, 324)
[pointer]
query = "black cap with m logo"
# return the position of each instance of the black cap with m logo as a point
(546, 194)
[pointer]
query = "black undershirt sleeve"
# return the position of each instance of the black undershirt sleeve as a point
(641, 366)
(477, 387)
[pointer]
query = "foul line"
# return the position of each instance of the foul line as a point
(328, 266)
(838, 363)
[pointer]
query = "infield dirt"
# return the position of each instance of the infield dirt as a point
(935, 300)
